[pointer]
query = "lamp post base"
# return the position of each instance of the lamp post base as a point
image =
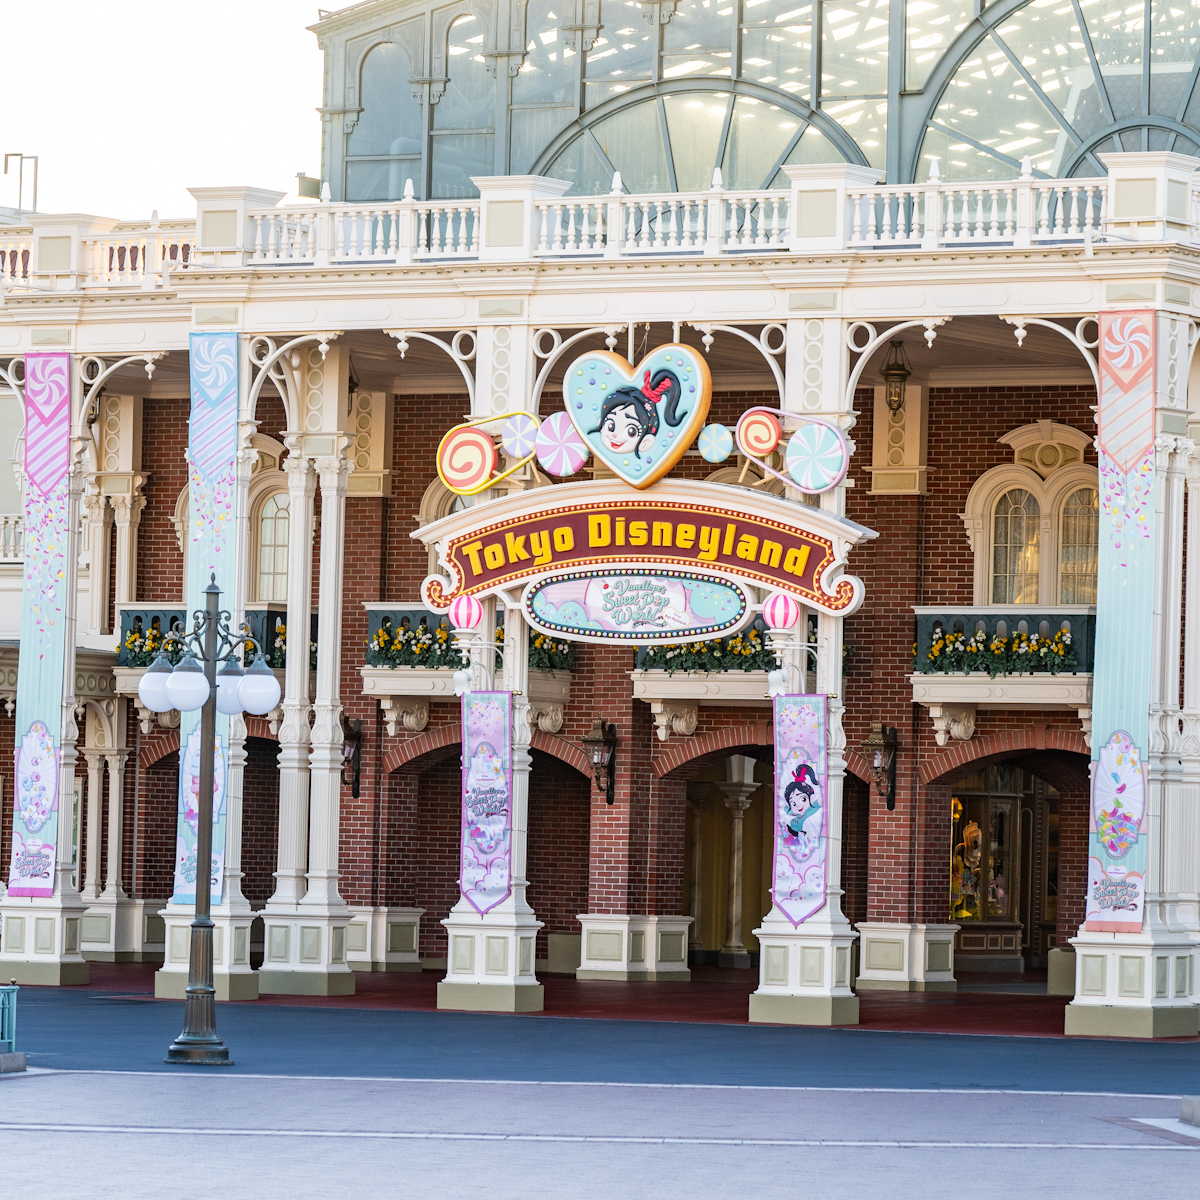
(214, 1054)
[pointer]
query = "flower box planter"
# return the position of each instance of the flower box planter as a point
(674, 699)
(953, 700)
(405, 693)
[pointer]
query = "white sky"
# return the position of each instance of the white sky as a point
(128, 103)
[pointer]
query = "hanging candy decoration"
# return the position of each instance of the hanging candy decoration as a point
(780, 611)
(467, 458)
(518, 434)
(758, 432)
(715, 443)
(466, 612)
(560, 449)
(817, 457)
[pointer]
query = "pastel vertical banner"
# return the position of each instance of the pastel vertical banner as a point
(1124, 623)
(801, 813)
(486, 865)
(212, 550)
(43, 624)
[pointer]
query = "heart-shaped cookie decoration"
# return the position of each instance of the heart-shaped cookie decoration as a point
(638, 420)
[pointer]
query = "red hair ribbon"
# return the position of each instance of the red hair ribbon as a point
(654, 394)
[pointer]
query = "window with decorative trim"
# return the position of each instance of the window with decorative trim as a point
(1033, 524)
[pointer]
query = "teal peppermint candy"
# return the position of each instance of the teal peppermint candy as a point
(715, 443)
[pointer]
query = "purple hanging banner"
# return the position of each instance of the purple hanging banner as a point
(801, 813)
(486, 867)
(43, 624)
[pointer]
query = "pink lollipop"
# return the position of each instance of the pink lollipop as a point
(559, 448)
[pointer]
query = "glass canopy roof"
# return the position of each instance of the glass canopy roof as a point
(667, 91)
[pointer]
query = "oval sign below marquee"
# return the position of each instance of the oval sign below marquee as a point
(644, 607)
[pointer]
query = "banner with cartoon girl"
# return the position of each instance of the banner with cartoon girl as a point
(49, 545)
(486, 866)
(212, 550)
(801, 812)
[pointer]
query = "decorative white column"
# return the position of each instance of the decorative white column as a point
(490, 959)
(292, 860)
(1139, 979)
(696, 883)
(97, 533)
(115, 760)
(305, 951)
(739, 786)
(95, 801)
(127, 518)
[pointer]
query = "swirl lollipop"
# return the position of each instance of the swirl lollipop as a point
(518, 435)
(817, 457)
(758, 433)
(466, 460)
(559, 448)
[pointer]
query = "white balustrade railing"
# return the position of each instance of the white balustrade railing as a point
(135, 259)
(447, 229)
(14, 261)
(12, 537)
(938, 213)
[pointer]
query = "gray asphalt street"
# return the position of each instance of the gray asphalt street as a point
(199, 1135)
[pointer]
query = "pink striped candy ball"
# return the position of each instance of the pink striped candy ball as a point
(466, 612)
(780, 611)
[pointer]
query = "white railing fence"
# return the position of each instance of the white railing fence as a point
(12, 537)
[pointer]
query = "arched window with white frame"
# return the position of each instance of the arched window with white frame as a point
(273, 547)
(1033, 524)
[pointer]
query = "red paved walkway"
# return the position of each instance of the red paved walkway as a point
(713, 996)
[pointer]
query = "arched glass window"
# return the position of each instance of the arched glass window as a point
(273, 547)
(1015, 548)
(1078, 547)
(384, 148)
(673, 142)
(462, 118)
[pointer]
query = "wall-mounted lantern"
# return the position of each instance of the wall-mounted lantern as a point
(602, 739)
(880, 749)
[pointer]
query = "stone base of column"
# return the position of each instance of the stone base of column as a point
(304, 953)
(734, 959)
(113, 930)
(804, 973)
(39, 942)
(905, 957)
(1060, 971)
(1134, 985)
(490, 959)
(634, 948)
(384, 939)
(232, 977)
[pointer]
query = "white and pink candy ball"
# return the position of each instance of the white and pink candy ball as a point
(780, 611)
(466, 612)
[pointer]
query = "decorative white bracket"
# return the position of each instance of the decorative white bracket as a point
(673, 716)
(404, 710)
(549, 717)
(953, 721)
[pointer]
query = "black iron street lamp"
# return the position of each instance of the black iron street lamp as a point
(602, 738)
(195, 684)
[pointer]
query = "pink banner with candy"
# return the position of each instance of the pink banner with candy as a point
(48, 544)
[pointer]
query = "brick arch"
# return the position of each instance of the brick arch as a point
(158, 749)
(685, 750)
(260, 727)
(445, 737)
(998, 746)
(858, 766)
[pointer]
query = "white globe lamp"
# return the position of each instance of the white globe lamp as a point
(187, 686)
(152, 687)
(259, 689)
